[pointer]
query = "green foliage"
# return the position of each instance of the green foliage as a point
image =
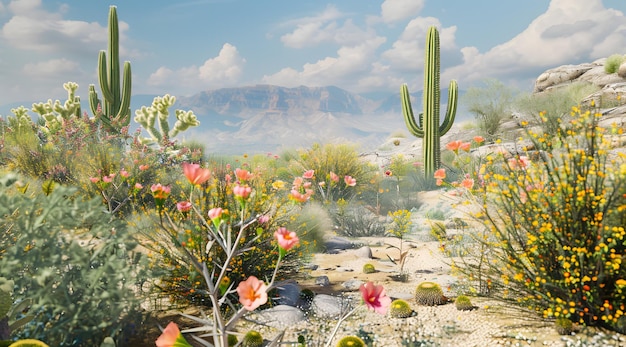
(490, 105)
(400, 309)
(351, 341)
(78, 266)
(463, 303)
(564, 326)
(369, 268)
(252, 339)
(556, 230)
(438, 231)
(400, 223)
(429, 294)
(552, 107)
(428, 126)
(354, 220)
(612, 63)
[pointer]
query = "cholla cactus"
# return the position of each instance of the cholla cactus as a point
(53, 113)
(147, 116)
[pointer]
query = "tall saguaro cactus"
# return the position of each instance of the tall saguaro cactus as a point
(114, 113)
(428, 126)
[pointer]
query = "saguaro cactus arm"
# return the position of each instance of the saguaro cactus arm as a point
(414, 128)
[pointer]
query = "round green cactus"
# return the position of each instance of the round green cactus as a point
(400, 309)
(252, 339)
(351, 341)
(429, 294)
(463, 303)
(232, 340)
(564, 326)
(368, 268)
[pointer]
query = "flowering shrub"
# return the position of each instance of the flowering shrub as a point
(555, 224)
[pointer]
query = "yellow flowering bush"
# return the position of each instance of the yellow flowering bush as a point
(555, 219)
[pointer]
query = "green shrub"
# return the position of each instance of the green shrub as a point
(252, 339)
(438, 231)
(77, 265)
(490, 105)
(612, 63)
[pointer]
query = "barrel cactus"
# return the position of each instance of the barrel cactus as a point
(368, 268)
(400, 309)
(252, 339)
(429, 294)
(564, 326)
(28, 343)
(463, 303)
(351, 341)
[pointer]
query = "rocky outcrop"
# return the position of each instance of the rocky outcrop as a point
(567, 74)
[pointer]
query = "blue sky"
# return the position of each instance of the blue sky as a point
(364, 46)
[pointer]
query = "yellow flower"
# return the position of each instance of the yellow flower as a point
(621, 282)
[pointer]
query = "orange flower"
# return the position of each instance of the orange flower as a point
(479, 139)
(252, 293)
(286, 239)
(467, 183)
(171, 337)
(440, 174)
(454, 146)
(334, 177)
(195, 174)
(375, 298)
(243, 175)
(465, 146)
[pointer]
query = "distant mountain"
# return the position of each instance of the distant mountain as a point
(264, 118)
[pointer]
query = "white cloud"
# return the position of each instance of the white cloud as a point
(325, 27)
(570, 31)
(350, 63)
(223, 70)
(397, 10)
(407, 53)
(51, 68)
(32, 28)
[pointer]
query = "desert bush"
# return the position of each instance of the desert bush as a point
(552, 107)
(612, 63)
(182, 234)
(355, 220)
(490, 105)
(79, 268)
(555, 225)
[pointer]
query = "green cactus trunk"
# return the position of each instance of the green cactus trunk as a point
(114, 113)
(429, 127)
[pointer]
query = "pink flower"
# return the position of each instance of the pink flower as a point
(350, 181)
(242, 192)
(467, 183)
(252, 293)
(160, 191)
(171, 337)
(124, 173)
(375, 298)
(144, 167)
(215, 213)
(263, 219)
(301, 197)
(107, 179)
(334, 177)
(183, 206)
(243, 175)
(520, 163)
(439, 181)
(308, 174)
(94, 179)
(440, 174)
(138, 186)
(286, 239)
(195, 174)
(479, 139)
